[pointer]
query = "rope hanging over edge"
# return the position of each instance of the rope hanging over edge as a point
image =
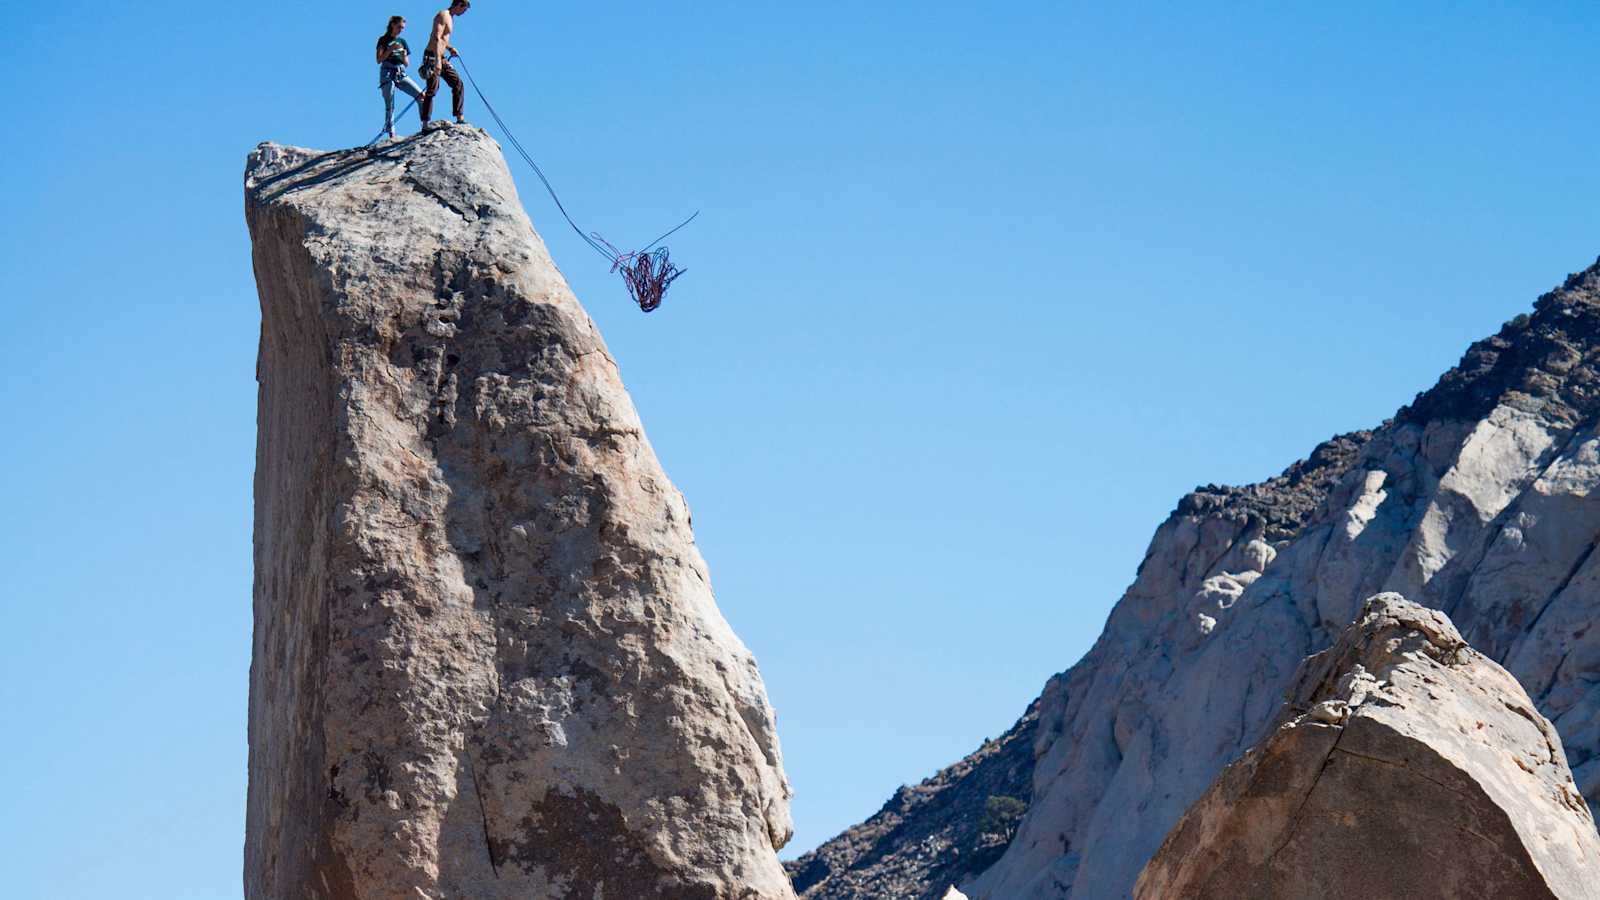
(647, 273)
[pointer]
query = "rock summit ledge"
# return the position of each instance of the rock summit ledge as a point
(487, 660)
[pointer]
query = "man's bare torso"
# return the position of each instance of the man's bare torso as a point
(444, 25)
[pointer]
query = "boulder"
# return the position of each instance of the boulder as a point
(1408, 765)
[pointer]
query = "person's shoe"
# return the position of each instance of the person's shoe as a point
(461, 120)
(391, 135)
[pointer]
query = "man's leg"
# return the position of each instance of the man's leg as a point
(458, 94)
(425, 105)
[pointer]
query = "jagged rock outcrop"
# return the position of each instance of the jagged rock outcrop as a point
(487, 661)
(931, 835)
(1478, 499)
(1410, 765)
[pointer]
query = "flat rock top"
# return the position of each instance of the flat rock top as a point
(458, 166)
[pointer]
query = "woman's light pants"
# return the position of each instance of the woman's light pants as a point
(387, 85)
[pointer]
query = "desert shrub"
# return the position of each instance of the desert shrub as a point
(1001, 815)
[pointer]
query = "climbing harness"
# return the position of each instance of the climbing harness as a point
(647, 272)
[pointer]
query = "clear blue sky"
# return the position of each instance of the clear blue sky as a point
(976, 294)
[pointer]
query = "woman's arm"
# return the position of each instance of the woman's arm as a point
(383, 52)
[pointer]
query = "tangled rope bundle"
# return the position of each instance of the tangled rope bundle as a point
(647, 275)
(647, 272)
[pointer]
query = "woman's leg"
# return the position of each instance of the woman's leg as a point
(411, 88)
(388, 107)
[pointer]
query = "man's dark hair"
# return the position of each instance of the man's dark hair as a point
(464, 4)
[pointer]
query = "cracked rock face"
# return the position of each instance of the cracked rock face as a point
(1410, 765)
(487, 660)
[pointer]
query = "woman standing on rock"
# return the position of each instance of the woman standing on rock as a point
(394, 54)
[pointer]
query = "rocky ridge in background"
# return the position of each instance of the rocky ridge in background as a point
(487, 661)
(930, 835)
(1481, 499)
(1407, 765)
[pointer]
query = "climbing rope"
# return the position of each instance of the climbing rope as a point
(647, 272)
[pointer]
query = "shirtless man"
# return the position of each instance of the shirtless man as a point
(436, 62)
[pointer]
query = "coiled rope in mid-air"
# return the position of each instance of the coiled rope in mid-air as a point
(646, 272)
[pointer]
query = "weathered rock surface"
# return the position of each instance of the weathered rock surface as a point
(1479, 499)
(931, 835)
(487, 660)
(1410, 765)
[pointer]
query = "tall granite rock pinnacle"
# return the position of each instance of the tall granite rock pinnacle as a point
(487, 660)
(1480, 499)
